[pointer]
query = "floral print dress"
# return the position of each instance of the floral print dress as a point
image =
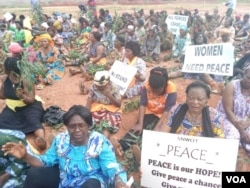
(241, 109)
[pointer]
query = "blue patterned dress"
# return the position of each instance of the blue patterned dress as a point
(79, 163)
(52, 62)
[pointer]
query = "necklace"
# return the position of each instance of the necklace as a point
(195, 121)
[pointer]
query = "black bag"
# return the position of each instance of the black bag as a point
(53, 115)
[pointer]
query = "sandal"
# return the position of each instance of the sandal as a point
(40, 86)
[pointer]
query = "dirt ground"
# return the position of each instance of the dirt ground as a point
(66, 93)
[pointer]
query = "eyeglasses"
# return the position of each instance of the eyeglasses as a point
(75, 125)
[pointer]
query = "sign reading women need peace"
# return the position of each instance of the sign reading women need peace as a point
(179, 161)
(175, 21)
(122, 74)
(215, 59)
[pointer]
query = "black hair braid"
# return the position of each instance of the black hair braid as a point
(206, 123)
(178, 118)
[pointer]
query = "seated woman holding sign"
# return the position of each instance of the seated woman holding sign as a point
(199, 39)
(157, 98)
(194, 117)
(104, 101)
(132, 52)
(181, 42)
(235, 106)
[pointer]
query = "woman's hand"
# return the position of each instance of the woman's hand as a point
(19, 92)
(137, 128)
(245, 136)
(137, 75)
(107, 92)
(17, 150)
(121, 185)
(241, 124)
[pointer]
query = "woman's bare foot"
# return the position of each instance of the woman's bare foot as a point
(72, 72)
(83, 89)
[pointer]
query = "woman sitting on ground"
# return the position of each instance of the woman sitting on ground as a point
(194, 117)
(235, 107)
(180, 42)
(85, 29)
(96, 53)
(151, 44)
(22, 112)
(227, 29)
(104, 101)
(158, 97)
(58, 41)
(132, 52)
(118, 53)
(211, 80)
(85, 158)
(49, 56)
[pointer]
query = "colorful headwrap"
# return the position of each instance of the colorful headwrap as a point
(44, 36)
(57, 25)
(183, 27)
(101, 78)
(15, 48)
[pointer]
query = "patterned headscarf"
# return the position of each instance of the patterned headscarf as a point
(183, 27)
(57, 25)
(44, 36)
(15, 48)
(101, 78)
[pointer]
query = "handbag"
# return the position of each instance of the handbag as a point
(53, 115)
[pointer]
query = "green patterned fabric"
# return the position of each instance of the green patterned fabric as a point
(16, 168)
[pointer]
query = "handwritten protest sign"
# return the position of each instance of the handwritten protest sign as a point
(210, 58)
(174, 22)
(122, 74)
(179, 161)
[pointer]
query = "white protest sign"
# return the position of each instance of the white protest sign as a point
(180, 161)
(59, 18)
(7, 16)
(122, 74)
(175, 21)
(215, 59)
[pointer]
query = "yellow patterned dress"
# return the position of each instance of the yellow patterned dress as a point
(187, 128)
